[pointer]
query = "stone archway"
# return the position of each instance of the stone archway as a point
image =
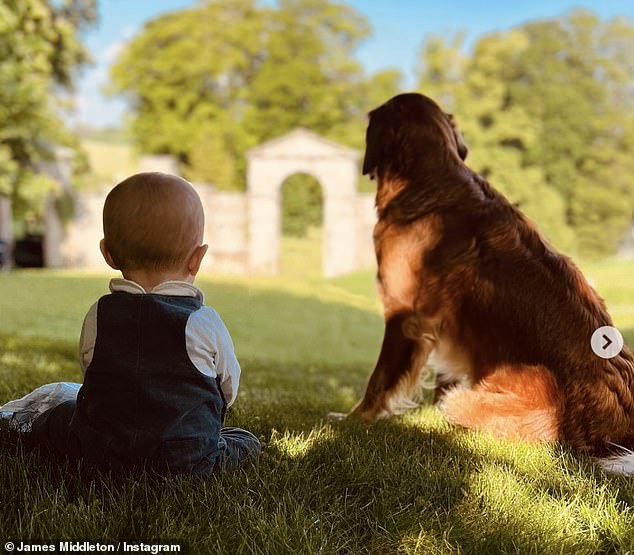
(334, 166)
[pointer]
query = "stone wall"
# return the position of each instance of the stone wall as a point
(80, 245)
(226, 232)
(242, 229)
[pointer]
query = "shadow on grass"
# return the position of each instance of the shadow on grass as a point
(407, 484)
(429, 488)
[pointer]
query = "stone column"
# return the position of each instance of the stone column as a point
(340, 237)
(53, 235)
(59, 169)
(366, 220)
(264, 217)
(264, 233)
(338, 178)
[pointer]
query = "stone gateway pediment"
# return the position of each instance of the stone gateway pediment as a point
(302, 143)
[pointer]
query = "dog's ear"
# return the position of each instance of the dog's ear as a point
(463, 150)
(379, 139)
(371, 158)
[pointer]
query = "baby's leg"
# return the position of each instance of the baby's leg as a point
(239, 445)
(51, 431)
(21, 413)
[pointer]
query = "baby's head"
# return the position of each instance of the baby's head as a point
(153, 226)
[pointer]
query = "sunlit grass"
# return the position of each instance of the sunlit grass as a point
(410, 484)
(301, 257)
(297, 444)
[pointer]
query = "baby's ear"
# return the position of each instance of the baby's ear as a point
(196, 259)
(106, 255)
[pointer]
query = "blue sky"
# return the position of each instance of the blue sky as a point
(399, 28)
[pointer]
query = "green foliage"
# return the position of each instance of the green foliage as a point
(548, 113)
(302, 204)
(209, 82)
(8, 170)
(186, 74)
(30, 202)
(408, 484)
(211, 162)
(39, 50)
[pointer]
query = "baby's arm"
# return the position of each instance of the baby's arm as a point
(88, 338)
(211, 350)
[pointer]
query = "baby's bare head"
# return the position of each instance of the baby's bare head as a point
(152, 221)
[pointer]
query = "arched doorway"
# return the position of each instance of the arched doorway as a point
(302, 208)
(336, 169)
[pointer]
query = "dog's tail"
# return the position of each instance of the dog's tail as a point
(621, 463)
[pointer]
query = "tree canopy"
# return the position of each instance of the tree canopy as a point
(40, 51)
(548, 111)
(547, 107)
(208, 82)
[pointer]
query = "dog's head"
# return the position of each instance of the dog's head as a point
(407, 128)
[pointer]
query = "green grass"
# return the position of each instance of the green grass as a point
(300, 257)
(615, 282)
(411, 484)
(109, 160)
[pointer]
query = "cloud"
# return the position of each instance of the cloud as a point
(129, 31)
(111, 53)
(92, 107)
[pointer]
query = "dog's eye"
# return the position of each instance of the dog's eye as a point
(373, 174)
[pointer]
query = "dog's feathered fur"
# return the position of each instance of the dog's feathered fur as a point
(466, 277)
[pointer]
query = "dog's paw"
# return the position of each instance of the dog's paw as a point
(357, 416)
(337, 416)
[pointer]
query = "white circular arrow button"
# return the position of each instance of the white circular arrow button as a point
(606, 342)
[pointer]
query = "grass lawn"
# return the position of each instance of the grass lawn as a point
(110, 161)
(411, 484)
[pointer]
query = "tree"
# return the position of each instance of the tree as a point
(302, 205)
(40, 51)
(209, 82)
(586, 120)
(186, 75)
(547, 109)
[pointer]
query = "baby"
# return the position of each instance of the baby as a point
(159, 366)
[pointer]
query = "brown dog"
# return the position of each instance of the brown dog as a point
(466, 278)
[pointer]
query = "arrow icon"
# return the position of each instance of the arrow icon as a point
(606, 342)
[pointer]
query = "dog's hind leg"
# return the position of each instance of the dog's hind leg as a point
(517, 402)
(442, 387)
(395, 378)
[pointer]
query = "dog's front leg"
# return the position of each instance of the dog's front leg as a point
(407, 343)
